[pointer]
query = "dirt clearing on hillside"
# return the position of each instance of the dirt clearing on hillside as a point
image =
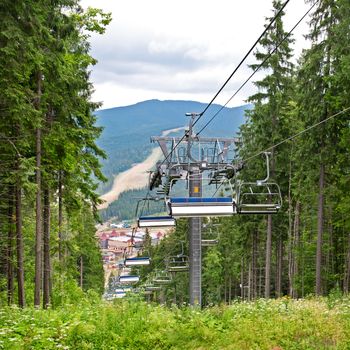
(136, 177)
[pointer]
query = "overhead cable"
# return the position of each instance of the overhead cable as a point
(297, 134)
(246, 55)
(257, 69)
(290, 138)
(228, 79)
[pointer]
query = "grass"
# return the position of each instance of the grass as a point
(264, 324)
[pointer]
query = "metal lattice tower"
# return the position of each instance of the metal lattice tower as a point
(188, 157)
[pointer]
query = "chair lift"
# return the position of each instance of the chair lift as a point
(129, 279)
(200, 206)
(211, 239)
(137, 261)
(260, 197)
(162, 278)
(134, 261)
(120, 294)
(178, 263)
(156, 221)
(150, 287)
(145, 221)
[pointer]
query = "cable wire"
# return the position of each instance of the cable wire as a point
(228, 79)
(297, 134)
(288, 139)
(246, 55)
(257, 69)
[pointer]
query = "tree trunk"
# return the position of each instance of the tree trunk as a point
(81, 272)
(269, 230)
(38, 229)
(347, 269)
(242, 278)
(268, 257)
(20, 247)
(10, 248)
(279, 267)
(60, 218)
(249, 280)
(320, 213)
(230, 290)
(290, 228)
(254, 263)
(293, 271)
(47, 262)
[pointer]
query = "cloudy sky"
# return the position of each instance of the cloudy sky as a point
(183, 49)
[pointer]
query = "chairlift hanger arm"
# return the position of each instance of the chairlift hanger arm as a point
(260, 182)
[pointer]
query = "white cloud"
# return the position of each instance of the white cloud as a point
(184, 49)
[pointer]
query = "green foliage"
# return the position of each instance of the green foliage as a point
(45, 89)
(265, 324)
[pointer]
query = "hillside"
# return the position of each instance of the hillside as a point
(282, 324)
(127, 131)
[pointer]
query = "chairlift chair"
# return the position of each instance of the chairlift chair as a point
(152, 288)
(200, 207)
(155, 221)
(253, 198)
(178, 263)
(209, 239)
(120, 294)
(149, 286)
(149, 220)
(137, 261)
(129, 279)
(260, 197)
(209, 242)
(162, 278)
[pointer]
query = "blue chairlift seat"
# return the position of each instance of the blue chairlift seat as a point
(156, 221)
(120, 294)
(197, 207)
(137, 261)
(129, 279)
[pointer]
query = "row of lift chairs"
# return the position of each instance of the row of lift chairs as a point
(259, 197)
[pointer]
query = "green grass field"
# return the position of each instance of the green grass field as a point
(264, 324)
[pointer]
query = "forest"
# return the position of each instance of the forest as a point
(301, 116)
(50, 168)
(49, 162)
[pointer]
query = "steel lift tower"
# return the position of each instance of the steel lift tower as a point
(187, 158)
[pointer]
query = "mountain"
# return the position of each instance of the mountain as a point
(127, 130)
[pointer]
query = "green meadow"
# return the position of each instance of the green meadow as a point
(282, 324)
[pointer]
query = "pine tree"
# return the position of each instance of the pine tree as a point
(267, 123)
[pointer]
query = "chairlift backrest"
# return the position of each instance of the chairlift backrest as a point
(200, 206)
(137, 261)
(178, 263)
(262, 198)
(129, 279)
(162, 277)
(156, 221)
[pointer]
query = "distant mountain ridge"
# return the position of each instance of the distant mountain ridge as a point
(154, 116)
(127, 129)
